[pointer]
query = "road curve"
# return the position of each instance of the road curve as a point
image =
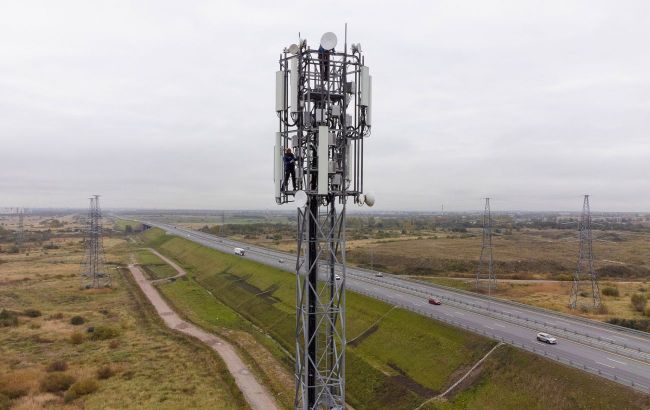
(609, 351)
(255, 394)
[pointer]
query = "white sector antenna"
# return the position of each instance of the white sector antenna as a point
(301, 199)
(328, 41)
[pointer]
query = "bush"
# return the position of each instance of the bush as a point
(76, 338)
(105, 372)
(5, 404)
(611, 291)
(114, 344)
(77, 320)
(57, 366)
(103, 333)
(81, 388)
(637, 324)
(639, 301)
(32, 312)
(56, 382)
(8, 318)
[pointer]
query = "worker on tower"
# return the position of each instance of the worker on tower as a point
(289, 169)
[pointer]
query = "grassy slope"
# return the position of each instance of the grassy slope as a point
(154, 267)
(150, 361)
(406, 359)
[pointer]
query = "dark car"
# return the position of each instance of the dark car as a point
(434, 301)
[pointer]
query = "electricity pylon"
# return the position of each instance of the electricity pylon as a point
(20, 232)
(486, 252)
(585, 259)
(94, 274)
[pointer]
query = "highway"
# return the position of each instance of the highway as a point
(612, 352)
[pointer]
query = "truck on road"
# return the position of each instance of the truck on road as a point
(240, 251)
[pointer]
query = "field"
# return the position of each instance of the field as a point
(129, 360)
(400, 362)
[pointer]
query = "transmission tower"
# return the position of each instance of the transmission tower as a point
(486, 252)
(94, 273)
(585, 259)
(323, 103)
(20, 231)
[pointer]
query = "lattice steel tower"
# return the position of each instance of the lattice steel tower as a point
(585, 259)
(20, 232)
(486, 252)
(323, 103)
(94, 274)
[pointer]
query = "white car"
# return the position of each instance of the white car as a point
(546, 338)
(337, 277)
(379, 275)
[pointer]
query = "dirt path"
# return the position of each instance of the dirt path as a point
(180, 272)
(257, 396)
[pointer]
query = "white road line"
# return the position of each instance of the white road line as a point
(606, 365)
(489, 327)
(500, 325)
(613, 360)
(458, 313)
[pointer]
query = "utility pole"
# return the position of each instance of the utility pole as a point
(323, 104)
(94, 274)
(585, 259)
(486, 252)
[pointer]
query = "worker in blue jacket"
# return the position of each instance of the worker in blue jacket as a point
(289, 169)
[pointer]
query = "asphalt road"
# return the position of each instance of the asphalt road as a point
(613, 352)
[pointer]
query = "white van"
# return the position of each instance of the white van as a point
(239, 251)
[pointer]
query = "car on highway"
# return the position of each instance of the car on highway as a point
(546, 338)
(239, 251)
(337, 277)
(280, 260)
(434, 301)
(379, 275)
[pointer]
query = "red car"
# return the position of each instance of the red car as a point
(434, 301)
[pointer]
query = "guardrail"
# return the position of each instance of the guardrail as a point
(541, 352)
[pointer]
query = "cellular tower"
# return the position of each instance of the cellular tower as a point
(323, 104)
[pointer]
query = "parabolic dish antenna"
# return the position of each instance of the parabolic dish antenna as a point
(301, 199)
(328, 41)
(370, 199)
(293, 49)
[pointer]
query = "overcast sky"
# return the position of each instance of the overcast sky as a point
(167, 104)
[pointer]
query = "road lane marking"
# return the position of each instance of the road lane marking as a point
(489, 327)
(613, 360)
(606, 365)
(458, 313)
(500, 325)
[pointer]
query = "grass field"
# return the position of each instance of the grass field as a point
(153, 266)
(145, 365)
(398, 364)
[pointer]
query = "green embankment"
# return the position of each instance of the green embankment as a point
(402, 361)
(154, 267)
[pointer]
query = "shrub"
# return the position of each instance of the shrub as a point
(103, 333)
(77, 320)
(611, 291)
(114, 344)
(5, 404)
(639, 301)
(32, 312)
(56, 382)
(105, 372)
(14, 385)
(76, 338)
(8, 318)
(57, 366)
(81, 388)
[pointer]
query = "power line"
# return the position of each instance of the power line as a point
(486, 252)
